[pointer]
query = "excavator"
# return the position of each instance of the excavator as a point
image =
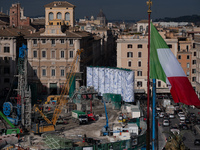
(39, 128)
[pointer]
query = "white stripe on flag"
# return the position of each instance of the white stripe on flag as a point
(169, 63)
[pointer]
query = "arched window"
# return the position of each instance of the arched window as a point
(141, 28)
(67, 16)
(59, 15)
(147, 28)
(50, 16)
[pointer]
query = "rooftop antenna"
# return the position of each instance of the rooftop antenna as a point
(1, 9)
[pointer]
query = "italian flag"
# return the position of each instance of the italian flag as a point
(164, 66)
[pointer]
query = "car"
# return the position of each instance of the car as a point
(182, 117)
(192, 114)
(181, 114)
(192, 106)
(165, 122)
(166, 117)
(197, 142)
(187, 121)
(158, 109)
(183, 127)
(161, 115)
(198, 121)
(171, 116)
(174, 129)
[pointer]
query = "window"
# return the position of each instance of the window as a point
(141, 28)
(193, 62)
(170, 46)
(139, 73)
(129, 63)
(67, 16)
(43, 72)
(35, 54)
(62, 54)
(53, 72)
(139, 63)
(193, 70)
(53, 31)
(6, 49)
(43, 54)
(179, 48)
(62, 72)
(34, 42)
(193, 79)
(188, 73)
(62, 41)
(6, 70)
(71, 54)
(159, 83)
(53, 55)
(59, 15)
(43, 41)
(6, 59)
(139, 46)
(188, 57)
(129, 54)
(34, 72)
(139, 84)
(179, 56)
(53, 42)
(187, 48)
(70, 41)
(6, 80)
(129, 46)
(193, 45)
(139, 54)
(188, 65)
(50, 16)
(194, 54)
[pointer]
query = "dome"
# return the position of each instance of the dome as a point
(101, 14)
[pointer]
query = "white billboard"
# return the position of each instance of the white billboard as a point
(112, 80)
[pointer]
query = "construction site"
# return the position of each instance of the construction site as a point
(102, 115)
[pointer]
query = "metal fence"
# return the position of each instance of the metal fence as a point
(56, 142)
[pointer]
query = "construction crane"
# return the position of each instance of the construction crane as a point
(106, 129)
(59, 105)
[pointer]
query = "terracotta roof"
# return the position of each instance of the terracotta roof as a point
(3, 15)
(3, 23)
(69, 34)
(96, 37)
(59, 4)
(13, 32)
(143, 21)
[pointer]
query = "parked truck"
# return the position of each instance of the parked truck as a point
(166, 102)
(80, 117)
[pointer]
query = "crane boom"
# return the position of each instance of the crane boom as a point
(65, 89)
(45, 118)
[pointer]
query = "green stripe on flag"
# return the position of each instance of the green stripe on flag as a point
(156, 70)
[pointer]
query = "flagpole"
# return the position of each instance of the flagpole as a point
(154, 115)
(149, 3)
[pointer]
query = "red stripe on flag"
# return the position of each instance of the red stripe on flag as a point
(182, 91)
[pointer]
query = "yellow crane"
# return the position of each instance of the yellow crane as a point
(37, 128)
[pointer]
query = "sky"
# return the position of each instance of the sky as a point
(114, 9)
